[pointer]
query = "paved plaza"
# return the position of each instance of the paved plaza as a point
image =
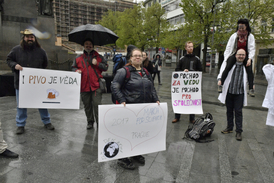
(69, 153)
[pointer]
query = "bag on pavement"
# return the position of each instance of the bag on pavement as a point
(200, 129)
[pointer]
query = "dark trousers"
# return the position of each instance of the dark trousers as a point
(91, 100)
(158, 73)
(229, 64)
(234, 105)
(191, 116)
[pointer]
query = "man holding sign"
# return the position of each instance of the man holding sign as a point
(28, 54)
(189, 62)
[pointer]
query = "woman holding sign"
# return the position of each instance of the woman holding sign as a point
(133, 84)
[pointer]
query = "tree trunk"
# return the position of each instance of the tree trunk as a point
(204, 53)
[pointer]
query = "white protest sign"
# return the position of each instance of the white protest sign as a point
(43, 88)
(186, 92)
(131, 130)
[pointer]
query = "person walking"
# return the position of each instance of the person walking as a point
(138, 89)
(89, 65)
(234, 95)
(241, 39)
(268, 102)
(189, 62)
(4, 152)
(147, 63)
(28, 54)
(157, 66)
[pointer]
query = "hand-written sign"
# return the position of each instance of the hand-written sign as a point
(132, 130)
(186, 92)
(43, 88)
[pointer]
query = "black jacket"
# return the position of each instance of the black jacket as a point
(186, 61)
(156, 66)
(149, 67)
(34, 58)
(138, 89)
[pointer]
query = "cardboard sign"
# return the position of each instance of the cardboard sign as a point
(131, 130)
(186, 92)
(43, 88)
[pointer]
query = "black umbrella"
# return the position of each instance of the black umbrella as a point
(97, 33)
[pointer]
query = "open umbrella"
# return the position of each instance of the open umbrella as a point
(97, 33)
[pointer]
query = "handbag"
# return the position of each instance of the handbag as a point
(102, 83)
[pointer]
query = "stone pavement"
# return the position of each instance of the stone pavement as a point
(69, 153)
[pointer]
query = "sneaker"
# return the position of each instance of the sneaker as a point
(227, 130)
(126, 163)
(192, 121)
(49, 126)
(139, 159)
(160, 83)
(220, 88)
(90, 125)
(251, 93)
(20, 130)
(9, 154)
(239, 136)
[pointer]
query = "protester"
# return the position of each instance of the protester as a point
(189, 62)
(241, 39)
(157, 65)
(28, 54)
(268, 102)
(234, 95)
(88, 64)
(4, 152)
(147, 63)
(138, 89)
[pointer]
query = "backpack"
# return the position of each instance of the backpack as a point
(202, 128)
(127, 78)
(118, 62)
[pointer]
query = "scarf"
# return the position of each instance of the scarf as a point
(242, 35)
(236, 85)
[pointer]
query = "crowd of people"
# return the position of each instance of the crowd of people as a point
(235, 71)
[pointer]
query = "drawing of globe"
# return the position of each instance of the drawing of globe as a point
(175, 75)
(111, 149)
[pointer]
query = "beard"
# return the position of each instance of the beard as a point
(29, 45)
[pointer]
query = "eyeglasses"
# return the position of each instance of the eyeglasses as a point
(136, 56)
(241, 55)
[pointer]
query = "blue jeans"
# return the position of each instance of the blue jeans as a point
(21, 114)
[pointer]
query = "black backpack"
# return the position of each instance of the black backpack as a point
(200, 129)
(128, 70)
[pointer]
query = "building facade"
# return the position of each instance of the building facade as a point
(69, 14)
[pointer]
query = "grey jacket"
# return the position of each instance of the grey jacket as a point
(138, 89)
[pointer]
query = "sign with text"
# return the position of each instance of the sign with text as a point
(131, 130)
(43, 88)
(186, 92)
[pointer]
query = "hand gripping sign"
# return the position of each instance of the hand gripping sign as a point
(186, 92)
(43, 88)
(131, 130)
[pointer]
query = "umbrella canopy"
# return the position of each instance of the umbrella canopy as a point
(97, 33)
